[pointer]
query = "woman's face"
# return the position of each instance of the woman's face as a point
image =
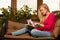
(43, 10)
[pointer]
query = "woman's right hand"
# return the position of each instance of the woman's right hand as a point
(26, 24)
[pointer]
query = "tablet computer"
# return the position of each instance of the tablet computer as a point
(30, 22)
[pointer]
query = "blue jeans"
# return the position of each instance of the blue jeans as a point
(34, 32)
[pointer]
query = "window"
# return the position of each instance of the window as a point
(31, 3)
(53, 4)
(4, 4)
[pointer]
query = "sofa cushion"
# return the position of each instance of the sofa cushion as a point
(26, 36)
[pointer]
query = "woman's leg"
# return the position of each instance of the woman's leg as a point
(21, 31)
(37, 33)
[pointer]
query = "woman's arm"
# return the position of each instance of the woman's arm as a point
(49, 22)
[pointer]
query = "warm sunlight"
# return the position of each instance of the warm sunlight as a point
(53, 4)
(31, 3)
(4, 4)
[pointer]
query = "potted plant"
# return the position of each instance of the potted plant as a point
(6, 12)
(26, 12)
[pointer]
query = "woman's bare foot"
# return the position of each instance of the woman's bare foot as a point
(8, 33)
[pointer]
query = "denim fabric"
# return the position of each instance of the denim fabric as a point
(34, 32)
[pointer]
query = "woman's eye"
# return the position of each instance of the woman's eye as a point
(41, 10)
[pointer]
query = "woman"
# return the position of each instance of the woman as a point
(45, 28)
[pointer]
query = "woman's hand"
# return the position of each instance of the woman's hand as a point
(35, 23)
(42, 25)
(38, 24)
(26, 24)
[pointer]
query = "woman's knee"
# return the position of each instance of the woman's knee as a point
(33, 31)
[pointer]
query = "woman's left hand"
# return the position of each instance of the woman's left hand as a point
(36, 23)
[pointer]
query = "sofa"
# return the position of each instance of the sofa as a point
(12, 26)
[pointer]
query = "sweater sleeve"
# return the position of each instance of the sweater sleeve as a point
(49, 22)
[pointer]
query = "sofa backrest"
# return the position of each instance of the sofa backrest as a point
(15, 25)
(57, 23)
(56, 28)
